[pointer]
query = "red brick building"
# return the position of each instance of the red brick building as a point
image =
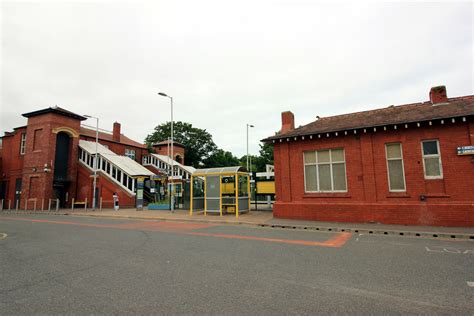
(52, 157)
(409, 164)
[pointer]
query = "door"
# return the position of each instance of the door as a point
(17, 192)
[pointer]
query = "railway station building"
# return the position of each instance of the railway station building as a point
(52, 157)
(407, 164)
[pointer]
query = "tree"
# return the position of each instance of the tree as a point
(221, 158)
(198, 142)
(259, 162)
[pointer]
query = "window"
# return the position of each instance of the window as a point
(130, 153)
(325, 171)
(431, 159)
(23, 144)
(396, 174)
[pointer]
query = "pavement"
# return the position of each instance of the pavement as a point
(266, 219)
(83, 265)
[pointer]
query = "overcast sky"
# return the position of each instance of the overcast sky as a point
(228, 63)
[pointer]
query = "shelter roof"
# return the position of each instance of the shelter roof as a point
(219, 170)
(125, 163)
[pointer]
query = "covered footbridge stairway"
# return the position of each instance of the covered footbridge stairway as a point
(120, 171)
(161, 165)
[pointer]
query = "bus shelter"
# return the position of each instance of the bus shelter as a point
(220, 191)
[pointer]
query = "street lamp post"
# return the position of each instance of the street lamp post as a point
(248, 125)
(172, 154)
(94, 200)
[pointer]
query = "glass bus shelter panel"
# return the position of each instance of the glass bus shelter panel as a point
(213, 193)
(198, 194)
(186, 194)
(243, 193)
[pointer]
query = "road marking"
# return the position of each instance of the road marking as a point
(442, 249)
(3, 236)
(186, 229)
(470, 283)
(337, 241)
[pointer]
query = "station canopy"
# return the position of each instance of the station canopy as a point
(219, 171)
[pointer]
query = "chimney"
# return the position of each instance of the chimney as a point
(438, 95)
(287, 121)
(116, 133)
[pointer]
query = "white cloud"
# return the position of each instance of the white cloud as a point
(227, 65)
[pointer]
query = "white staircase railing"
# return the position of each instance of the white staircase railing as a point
(120, 170)
(163, 164)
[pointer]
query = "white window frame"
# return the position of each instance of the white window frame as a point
(423, 156)
(23, 144)
(330, 170)
(130, 153)
(403, 167)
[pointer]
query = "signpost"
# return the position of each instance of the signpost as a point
(465, 150)
(140, 184)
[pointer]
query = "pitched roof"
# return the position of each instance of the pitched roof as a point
(109, 137)
(166, 142)
(392, 115)
(127, 164)
(56, 110)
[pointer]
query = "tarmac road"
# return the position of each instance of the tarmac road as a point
(82, 265)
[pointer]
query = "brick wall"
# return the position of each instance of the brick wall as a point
(449, 201)
(85, 185)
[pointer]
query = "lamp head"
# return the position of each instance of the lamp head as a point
(162, 94)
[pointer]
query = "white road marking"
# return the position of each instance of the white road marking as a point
(470, 283)
(3, 236)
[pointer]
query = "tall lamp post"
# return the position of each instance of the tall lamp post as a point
(248, 125)
(172, 154)
(94, 201)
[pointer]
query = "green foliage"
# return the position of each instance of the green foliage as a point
(198, 142)
(202, 152)
(258, 163)
(221, 158)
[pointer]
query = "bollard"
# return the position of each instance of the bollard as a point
(17, 203)
(72, 205)
(1, 207)
(26, 204)
(34, 205)
(100, 206)
(9, 204)
(85, 205)
(42, 204)
(49, 205)
(57, 205)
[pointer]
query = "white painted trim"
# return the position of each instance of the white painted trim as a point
(403, 167)
(432, 156)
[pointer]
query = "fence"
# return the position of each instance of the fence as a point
(54, 205)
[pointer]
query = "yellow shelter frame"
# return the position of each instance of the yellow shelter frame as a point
(235, 172)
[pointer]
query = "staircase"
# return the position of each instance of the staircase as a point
(120, 170)
(163, 164)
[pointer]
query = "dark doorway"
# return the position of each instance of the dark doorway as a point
(3, 190)
(17, 192)
(61, 162)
